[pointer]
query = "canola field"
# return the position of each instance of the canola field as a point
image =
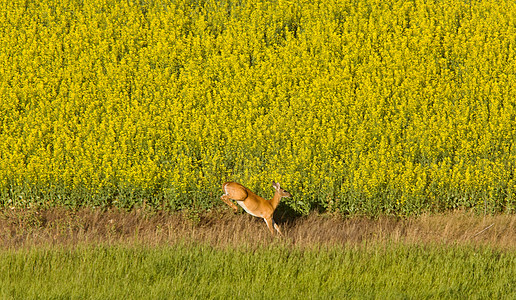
(354, 106)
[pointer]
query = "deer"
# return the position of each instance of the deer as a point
(254, 204)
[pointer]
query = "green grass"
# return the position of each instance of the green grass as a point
(280, 271)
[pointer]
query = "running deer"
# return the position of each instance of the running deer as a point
(254, 204)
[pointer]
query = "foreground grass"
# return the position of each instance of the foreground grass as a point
(274, 271)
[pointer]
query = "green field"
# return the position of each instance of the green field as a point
(115, 254)
(277, 271)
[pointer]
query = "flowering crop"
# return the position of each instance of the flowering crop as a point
(354, 106)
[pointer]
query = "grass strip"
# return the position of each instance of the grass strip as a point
(273, 271)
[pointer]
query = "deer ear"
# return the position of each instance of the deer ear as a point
(275, 185)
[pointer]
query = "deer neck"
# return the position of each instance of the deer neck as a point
(275, 200)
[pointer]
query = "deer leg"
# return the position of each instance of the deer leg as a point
(276, 227)
(269, 222)
(225, 198)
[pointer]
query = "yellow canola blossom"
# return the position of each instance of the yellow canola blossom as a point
(356, 107)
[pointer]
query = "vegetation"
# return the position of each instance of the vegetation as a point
(200, 271)
(28, 228)
(112, 254)
(358, 107)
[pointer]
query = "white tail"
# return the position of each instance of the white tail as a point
(254, 204)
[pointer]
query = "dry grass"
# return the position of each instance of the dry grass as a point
(59, 226)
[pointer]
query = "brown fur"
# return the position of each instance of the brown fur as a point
(254, 204)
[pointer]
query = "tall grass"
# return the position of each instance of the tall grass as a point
(276, 271)
(358, 107)
(40, 228)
